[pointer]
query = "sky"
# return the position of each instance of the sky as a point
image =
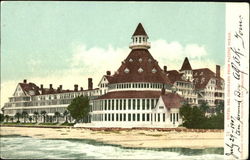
(68, 42)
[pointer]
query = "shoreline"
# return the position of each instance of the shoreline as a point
(132, 138)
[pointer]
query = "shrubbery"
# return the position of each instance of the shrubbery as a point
(194, 117)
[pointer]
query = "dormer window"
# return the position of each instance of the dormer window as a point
(149, 60)
(126, 70)
(140, 70)
(130, 60)
(154, 70)
(140, 60)
(201, 73)
(202, 80)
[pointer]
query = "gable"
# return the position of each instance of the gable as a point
(19, 91)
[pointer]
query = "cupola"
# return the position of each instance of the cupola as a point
(140, 39)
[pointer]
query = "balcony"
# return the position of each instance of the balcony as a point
(144, 45)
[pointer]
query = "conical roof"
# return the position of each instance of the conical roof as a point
(186, 65)
(139, 66)
(139, 30)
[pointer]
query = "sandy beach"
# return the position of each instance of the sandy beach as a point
(126, 138)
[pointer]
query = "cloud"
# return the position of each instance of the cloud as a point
(94, 63)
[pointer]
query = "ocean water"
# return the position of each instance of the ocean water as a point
(19, 147)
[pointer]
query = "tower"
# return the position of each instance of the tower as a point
(140, 39)
(186, 69)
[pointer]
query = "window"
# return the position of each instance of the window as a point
(109, 104)
(129, 104)
(109, 117)
(177, 116)
(133, 117)
(113, 105)
(152, 103)
(129, 117)
(138, 117)
(138, 104)
(117, 117)
(143, 117)
(117, 104)
(147, 116)
(120, 104)
(124, 105)
(124, 117)
(147, 103)
(155, 117)
(143, 104)
(170, 117)
(163, 116)
(120, 117)
(159, 117)
(161, 107)
(174, 117)
(133, 104)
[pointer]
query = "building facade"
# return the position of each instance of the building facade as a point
(139, 94)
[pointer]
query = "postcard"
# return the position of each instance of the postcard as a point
(124, 80)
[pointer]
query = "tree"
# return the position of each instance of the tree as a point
(7, 118)
(24, 115)
(30, 119)
(204, 107)
(2, 117)
(219, 108)
(18, 115)
(65, 114)
(36, 114)
(12, 119)
(185, 113)
(79, 108)
(44, 113)
(57, 115)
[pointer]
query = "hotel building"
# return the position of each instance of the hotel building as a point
(138, 94)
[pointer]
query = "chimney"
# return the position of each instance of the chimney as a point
(218, 71)
(75, 87)
(81, 89)
(60, 86)
(25, 81)
(108, 73)
(50, 86)
(90, 84)
(165, 69)
(42, 90)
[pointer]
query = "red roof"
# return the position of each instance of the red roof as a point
(27, 87)
(131, 94)
(202, 77)
(174, 75)
(172, 100)
(186, 65)
(56, 91)
(139, 66)
(140, 30)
